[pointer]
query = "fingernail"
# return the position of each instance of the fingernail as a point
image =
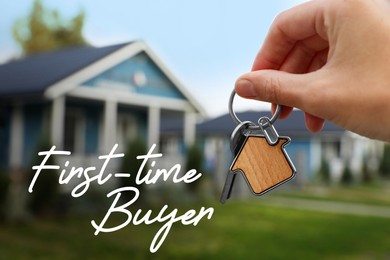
(245, 88)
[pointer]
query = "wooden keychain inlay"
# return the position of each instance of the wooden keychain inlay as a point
(264, 166)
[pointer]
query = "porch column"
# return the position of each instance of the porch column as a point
(16, 141)
(58, 122)
(153, 126)
(189, 128)
(109, 124)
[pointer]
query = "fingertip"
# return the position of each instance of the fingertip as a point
(314, 123)
(286, 111)
(245, 88)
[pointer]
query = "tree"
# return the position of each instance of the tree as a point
(384, 167)
(194, 160)
(45, 30)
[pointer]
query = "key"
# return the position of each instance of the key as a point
(236, 141)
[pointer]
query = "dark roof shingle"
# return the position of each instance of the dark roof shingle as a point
(32, 75)
(223, 125)
(294, 125)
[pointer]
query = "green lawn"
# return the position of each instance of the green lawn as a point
(374, 194)
(238, 230)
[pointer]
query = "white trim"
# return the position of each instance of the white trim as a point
(73, 81)
(315, 154)
(130, 98)
(57, 121)
(189, 128)
(79, 130)
(154, 126)
(174, 80)
(16, 142)
(109, 124)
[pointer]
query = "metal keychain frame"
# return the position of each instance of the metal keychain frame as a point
(268, 123)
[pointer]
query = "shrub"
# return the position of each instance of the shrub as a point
(130, 164)
(4, 185)
(324, 171)
(45, 193)
(384, 167)
(366, 172)
(194, 160)
(347, 177)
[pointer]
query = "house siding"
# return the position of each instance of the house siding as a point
(121, 77)
(33, 132)
(5, 136)
(93, 117)
(299, 153)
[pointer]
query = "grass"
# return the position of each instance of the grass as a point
(375, 194)
(237, 230)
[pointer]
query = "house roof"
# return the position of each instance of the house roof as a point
(223, 125)
(59, 72)
(32, 75)
(294, 125)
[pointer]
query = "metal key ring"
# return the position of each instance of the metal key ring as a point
(274, 117)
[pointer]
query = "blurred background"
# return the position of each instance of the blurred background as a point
(85, 76)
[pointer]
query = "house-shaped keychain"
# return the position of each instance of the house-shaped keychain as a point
(263, 165)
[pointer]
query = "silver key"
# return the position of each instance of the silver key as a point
(236, 141)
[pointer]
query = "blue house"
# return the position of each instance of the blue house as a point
(87, 99)
(338, 147)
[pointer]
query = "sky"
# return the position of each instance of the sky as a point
(207, 44)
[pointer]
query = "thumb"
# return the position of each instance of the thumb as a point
(274, 86)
